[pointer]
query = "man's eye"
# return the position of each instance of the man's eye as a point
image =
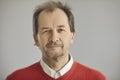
(61, 30)
(45, 31)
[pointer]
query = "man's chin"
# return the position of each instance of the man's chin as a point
(55, 55)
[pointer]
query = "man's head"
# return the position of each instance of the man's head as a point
(50, 6)
(53, 27)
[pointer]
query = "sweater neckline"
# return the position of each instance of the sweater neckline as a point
(65, 76)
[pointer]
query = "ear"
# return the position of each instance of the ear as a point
(72, 38)
(36, 40)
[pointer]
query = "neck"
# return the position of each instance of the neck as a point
(57, 63)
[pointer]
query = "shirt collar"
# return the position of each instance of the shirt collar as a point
(52, 72)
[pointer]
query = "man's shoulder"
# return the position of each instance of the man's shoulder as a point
(90, 72)
(24, 72)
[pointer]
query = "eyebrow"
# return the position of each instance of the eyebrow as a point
(45, 28)
(61, 26)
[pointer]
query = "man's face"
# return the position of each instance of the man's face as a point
(54, 35)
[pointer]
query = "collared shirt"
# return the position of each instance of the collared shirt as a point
(52, 72)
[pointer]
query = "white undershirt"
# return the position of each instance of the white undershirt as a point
(52, 72)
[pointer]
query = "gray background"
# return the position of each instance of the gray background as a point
(97, 38)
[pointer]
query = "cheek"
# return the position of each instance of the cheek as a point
(66, 41)
(43, 42)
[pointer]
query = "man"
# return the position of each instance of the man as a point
(53, 31)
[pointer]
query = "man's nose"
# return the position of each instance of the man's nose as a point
(54, 36)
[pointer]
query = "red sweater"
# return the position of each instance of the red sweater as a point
(77, 72)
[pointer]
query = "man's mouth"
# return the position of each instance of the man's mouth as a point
(53, 46)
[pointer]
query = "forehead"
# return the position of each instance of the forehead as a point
(55, 17)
